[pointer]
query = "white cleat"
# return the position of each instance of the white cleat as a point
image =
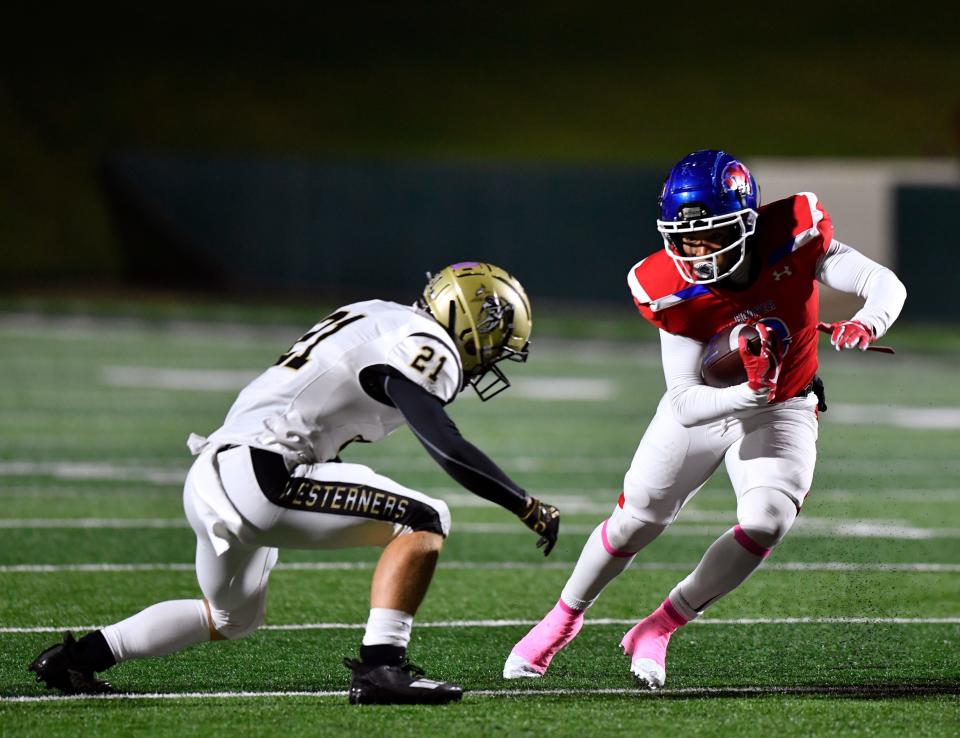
(648, 673)
(518, 667)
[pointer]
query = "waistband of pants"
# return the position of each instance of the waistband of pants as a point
(269, 468)
(817, 388)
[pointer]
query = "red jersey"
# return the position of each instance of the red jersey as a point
(791, 236)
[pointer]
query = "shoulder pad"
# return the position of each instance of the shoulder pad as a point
(792, 223)
(429, 359)
(809, 214)
(654, 278)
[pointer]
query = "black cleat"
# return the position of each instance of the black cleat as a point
(397, 685)
(59, 668)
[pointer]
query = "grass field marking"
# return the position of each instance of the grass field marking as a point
(231, 380)
(833, 566)
(900, 416)
(520, 622)
(210, 380)
(91, 470)
(838, 494)
(580, 499)
(805, 528)
(839, 690)
(166, 696)
(79, 523)
(528, 388)
(89, 327)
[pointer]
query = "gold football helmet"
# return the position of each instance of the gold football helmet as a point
(487, 314)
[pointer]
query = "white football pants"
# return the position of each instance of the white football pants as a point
(770, 455)
(234, 582)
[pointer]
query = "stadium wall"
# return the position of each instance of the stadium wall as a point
(894, 211)
(345, 228)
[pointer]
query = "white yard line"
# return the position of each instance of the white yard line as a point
(581, 503)
(527, 388)
(900, 416)
(104, 523)
(574, 500)
(826, 566)
(231, 380)
(82, 470)
(208, 380)
(812, 527)
(518, 622)
(85, 328)
(168, 696)
(92, 470)
(852, 690)
(836, 494)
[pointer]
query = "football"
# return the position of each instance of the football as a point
(721, 365)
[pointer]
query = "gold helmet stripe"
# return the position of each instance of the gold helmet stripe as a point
(465, 309)
(518, 293)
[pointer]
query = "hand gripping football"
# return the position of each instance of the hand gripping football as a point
(721, 365)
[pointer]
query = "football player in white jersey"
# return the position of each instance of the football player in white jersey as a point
(270, 477)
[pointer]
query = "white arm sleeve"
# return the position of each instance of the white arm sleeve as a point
(846, 269)
(693, 402)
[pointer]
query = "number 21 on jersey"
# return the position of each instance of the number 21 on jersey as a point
(299, 353)
(422, 360)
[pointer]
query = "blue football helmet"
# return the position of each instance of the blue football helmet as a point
(706, 190)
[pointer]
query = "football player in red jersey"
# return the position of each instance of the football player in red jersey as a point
(725, 260)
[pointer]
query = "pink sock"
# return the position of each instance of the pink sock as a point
(546, 638)
(649, 637)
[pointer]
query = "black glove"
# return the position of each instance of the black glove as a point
(544, 519)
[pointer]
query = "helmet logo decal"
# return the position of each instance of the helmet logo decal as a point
(491, 314)
(736, 178)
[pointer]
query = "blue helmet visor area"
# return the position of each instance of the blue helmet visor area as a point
(706, 269)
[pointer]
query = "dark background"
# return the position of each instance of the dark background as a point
(304, 148)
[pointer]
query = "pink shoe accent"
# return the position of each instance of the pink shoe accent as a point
(610, 549)
(649, 638)
(546, 638)
(748, 543)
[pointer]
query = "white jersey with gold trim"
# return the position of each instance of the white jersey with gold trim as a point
(310, 403)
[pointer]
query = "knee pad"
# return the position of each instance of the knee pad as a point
(626, 533)
(766, 514)
(239, 622)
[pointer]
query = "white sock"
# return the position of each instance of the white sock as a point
(160, 629)
(388, 627)
(727, 564)
(608, 552)
(765, 516)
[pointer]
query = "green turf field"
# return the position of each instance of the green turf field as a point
(851, 628)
